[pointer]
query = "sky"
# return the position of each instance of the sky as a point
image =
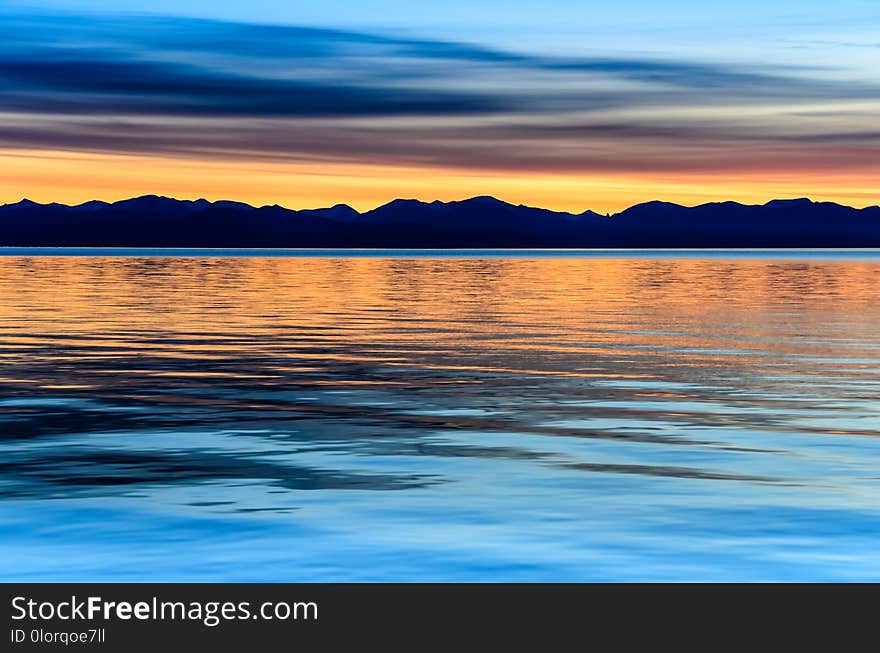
(566, 104)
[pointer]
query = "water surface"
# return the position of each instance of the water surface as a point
(326, 416)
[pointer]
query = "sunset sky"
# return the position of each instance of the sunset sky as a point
(566, 104)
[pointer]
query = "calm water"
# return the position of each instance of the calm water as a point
(482, 417)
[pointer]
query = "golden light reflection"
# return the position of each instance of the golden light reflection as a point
(175, 331)
(586, 318)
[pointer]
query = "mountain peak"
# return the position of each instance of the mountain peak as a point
(91, 205)
(484, 199)
(401, 204)
(789, 203)
(403, 201)
(481, 222)
(22, 203)
(338, 212)
(653, 207)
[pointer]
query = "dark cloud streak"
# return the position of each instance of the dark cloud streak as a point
(134, 85)
(111, 87)
(187, 66)
(597, 147)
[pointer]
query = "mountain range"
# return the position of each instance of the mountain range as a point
(478, 222)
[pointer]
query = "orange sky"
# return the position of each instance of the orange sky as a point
(47, 176)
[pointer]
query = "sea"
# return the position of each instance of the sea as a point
(471, 415)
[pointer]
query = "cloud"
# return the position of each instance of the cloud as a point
(105, 86)
(507, 145)
(191, 87)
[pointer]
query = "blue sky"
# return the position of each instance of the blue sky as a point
(718, 27)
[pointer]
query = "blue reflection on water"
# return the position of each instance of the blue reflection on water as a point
(325, 418)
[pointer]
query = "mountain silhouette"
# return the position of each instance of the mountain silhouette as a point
(478, 222)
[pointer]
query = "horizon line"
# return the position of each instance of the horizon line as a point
(26, 200)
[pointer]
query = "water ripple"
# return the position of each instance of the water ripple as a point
(485, 418)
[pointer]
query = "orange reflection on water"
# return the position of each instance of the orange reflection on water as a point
(635, 318)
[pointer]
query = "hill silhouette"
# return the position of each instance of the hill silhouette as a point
(478, 222)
